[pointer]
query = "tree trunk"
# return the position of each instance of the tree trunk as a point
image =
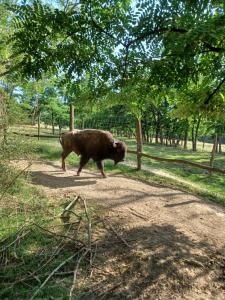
(157, 133)
(220, 144)
(186, 136)
(82, 126)
(195, 134)
(71, 117)
(139, 142)
(203, 142)
(213, 151)
(53, 126)
(39, 121)
(161, 136)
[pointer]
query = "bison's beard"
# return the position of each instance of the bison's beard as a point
(117, 161)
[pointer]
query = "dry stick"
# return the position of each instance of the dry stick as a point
(13, 180)
(58, 235)
(116, 233)
(51, 274)
(20, 234)
(102, 295)
(180, 161)
(58, 249)
(75, 273)
(65, 215)
(135, 213)
(91, 288)
(89, 228)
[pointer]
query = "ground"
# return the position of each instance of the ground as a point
(175, 240)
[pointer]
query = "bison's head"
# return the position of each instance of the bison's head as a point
(119, 151)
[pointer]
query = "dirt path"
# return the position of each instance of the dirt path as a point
(177, 240)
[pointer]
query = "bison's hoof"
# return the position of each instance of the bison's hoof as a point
(104, 176)
(78, 174)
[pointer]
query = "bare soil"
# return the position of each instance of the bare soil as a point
(176, 241)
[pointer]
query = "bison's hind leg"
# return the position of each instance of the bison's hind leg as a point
(83, 161)
(64, 156)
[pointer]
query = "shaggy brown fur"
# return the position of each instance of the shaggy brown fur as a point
(92, 144)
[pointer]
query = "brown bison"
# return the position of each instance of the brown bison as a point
(92, 144)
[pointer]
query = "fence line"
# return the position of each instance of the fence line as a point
(36, 135)
(180, 161)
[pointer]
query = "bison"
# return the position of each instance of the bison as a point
(92, 144)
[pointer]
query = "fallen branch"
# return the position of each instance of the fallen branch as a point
(75, 273)
(13, 180)
(135, 213)
(20, 234)
(58, 235)
(89, 228)
(103, 294)
(65, 215)
(51, 274)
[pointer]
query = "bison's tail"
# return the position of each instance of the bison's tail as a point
(61, 139)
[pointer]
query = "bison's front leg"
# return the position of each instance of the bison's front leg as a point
(100, 166)
(83, 161)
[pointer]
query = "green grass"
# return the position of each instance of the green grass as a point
(25, 247)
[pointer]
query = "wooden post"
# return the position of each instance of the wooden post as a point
(71, 117)
(139, 142)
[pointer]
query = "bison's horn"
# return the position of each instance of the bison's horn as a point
(115, 143)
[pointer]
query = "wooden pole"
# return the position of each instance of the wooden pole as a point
(71, 117)
(139, 142)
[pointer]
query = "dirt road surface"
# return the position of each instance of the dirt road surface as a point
(176, 240)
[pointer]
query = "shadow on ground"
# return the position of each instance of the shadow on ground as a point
(51, 181)
(158, 262)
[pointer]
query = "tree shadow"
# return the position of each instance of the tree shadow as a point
(158, 262)
(161, 263)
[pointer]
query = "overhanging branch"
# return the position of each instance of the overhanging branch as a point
(206, 102)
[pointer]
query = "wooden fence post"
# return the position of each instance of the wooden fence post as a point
(139, 142)
(71, 117)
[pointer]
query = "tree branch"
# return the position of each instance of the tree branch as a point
(206, 102)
